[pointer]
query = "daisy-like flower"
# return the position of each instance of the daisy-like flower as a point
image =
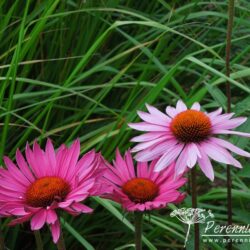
(187, 136)
(47, 182)
(143, 189)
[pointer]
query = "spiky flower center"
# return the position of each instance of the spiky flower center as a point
(45, 190)
(191, 126)
(140, 190)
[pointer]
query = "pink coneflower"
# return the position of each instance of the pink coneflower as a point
(47, 182)
(143, 189)
(187, 136)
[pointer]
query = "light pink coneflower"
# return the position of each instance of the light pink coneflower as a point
(47, 182)
(144, 189)
(187, 136)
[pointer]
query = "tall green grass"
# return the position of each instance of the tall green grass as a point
(82, 68)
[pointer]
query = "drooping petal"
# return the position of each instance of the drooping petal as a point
(55, 231)
(51, 216)
(145, 145)
(222, 131)
(154, 152)
(193, 153)
(230, 146)
(168, 157)
(38, 220)
(181, 162)
(219, 154)
(206, 165)
(230, 124)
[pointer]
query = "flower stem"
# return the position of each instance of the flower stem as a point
(1, 238)
(1, 241)
(138, 230)
(61, 244)
(228, 91)
(39, 243)
(194, 205)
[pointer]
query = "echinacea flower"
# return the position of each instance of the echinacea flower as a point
(143, 189)
(187, 136)
(48, 181)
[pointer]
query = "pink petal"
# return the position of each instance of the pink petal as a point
(222, 118)
(33, 162)
(181, 162)
(206, 166)
(231, 124)
(215, 113)
(15, 172)
(168, 157)
(147, 136)
(144, 145)
(41, 160)
(130, 164)
(222, 131)
(24, 166)
(144, 126)
(81, 208)
(121, 166)
(230, 146)
(156, 151)
(38, 220)
(193, 153)
(51, 216)
(142, 169)
(169, 196)
(154, 111)
(20, 220)
(67, 167)
(219, 154)
(181, 106)
(152, 119)
(196, 106)
(172, 112)
(55, 231)
(50, 153)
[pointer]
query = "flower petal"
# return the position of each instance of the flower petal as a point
(181, 106)
(55, 231)
(38, 220)
(206, 166)
(196, 106)
(168, 157)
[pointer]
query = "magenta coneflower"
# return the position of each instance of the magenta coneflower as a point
(143, 189)
(47, 182)
(187, 136)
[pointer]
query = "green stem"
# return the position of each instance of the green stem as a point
(39, 243)
(138, 230)
(228, 91)
(194, 205)
(1, 237)
(61, 244)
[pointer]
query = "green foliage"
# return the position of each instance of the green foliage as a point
(82, 68)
